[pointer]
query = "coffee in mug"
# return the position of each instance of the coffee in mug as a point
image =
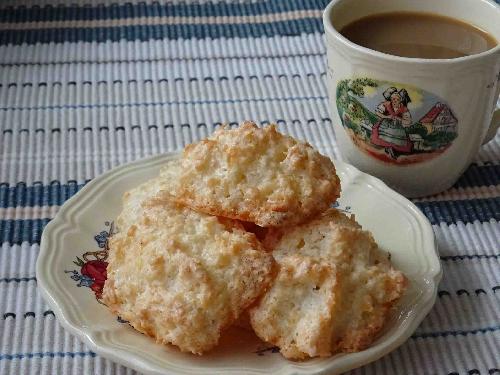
(418, 34)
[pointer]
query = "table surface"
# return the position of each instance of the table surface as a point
(86, 88)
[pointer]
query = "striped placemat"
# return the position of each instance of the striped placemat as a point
(84, 88)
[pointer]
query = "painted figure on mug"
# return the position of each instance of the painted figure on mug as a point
(394, 117)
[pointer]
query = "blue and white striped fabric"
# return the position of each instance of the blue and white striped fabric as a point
(84, 88)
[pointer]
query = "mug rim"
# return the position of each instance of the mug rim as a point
(330, 29)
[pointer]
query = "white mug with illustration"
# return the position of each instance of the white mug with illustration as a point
(416, 123)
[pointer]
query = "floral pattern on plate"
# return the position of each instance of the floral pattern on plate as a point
(92, 273)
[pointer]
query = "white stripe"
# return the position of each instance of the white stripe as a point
(475, 192)
(124, 50)
(165, 20)
(23, 213)
(467, 239)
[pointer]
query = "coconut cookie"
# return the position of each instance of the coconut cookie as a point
(334, 290)
(181, 276)
(254, 174)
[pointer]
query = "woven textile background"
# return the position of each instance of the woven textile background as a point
(86, 88)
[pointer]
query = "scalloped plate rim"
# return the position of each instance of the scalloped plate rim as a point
(118, 355)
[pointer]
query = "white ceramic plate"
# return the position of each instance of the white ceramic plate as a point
(72, 260)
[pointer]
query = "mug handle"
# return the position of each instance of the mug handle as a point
(494, 124)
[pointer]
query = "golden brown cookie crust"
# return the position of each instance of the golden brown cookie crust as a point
(180, 276)
(257, 175)
(334, 291)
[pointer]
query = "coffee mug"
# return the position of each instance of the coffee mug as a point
(449, 105)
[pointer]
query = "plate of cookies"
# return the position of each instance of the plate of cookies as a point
(248, 253)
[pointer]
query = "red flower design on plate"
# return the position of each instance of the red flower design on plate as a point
(95, 270)
(92, 264)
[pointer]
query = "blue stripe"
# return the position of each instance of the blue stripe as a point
(16, 279)
(155, 104)
(466, 211)
(38, 194)
(115, 11)
(16, 232)
(325, 121)
(56, 193)
(10, 357)
(448, 212)
(455, 333)
(455, 258)
(175, 79)
(484, 175)
(156, 32)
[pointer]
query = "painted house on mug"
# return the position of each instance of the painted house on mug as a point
(440, 119)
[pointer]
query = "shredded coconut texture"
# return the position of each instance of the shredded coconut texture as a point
(181, 276)
(334, 290)
(254, 174)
